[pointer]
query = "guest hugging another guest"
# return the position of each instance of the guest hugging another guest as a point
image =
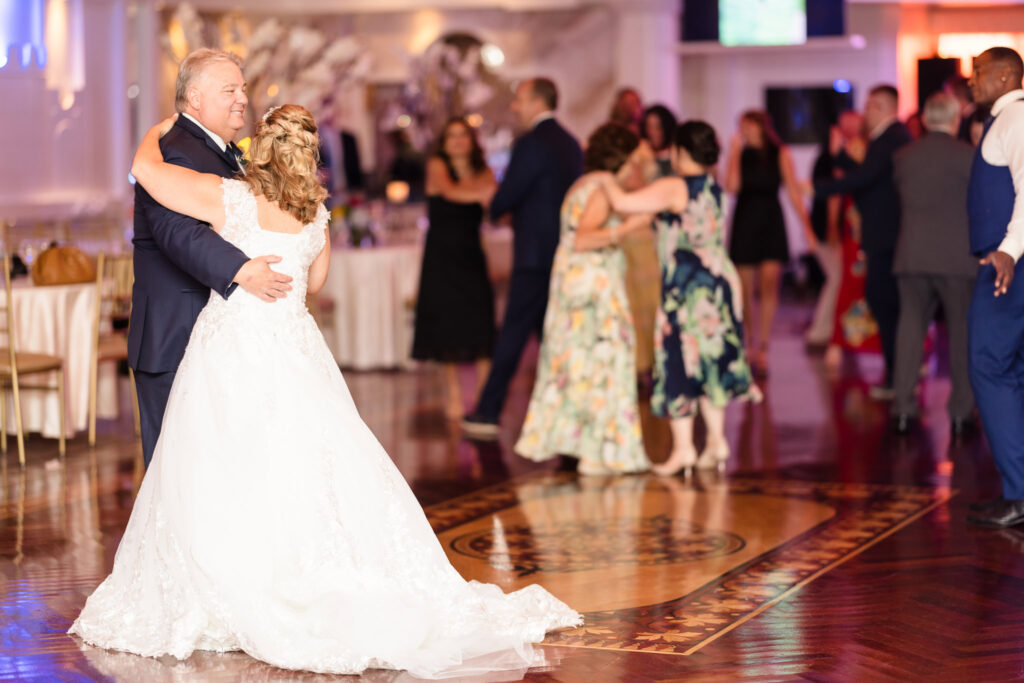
(455, 308)
(700, 357)
(584, 402)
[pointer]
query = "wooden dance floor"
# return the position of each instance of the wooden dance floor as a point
(830, 551)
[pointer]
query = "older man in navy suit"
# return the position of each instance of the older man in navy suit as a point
(545, 162)
(178, 259)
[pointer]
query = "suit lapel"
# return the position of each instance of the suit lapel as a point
(224, 155)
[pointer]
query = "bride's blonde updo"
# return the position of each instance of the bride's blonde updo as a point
(283, 159)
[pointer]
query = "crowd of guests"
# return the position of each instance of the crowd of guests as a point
(896, 217)
(572, 212)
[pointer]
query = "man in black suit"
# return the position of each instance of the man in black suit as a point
(178, 259)
(545, 162)
(874, 193)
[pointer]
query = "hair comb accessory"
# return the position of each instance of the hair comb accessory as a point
(269, 112)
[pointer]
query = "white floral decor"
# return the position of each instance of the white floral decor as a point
(284, 62)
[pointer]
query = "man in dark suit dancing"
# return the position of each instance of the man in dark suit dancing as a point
(545, 162)
(178, 259)
(874, 194)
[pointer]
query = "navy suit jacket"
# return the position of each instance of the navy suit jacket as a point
(873, 189)
(545, 162)
(178, 259)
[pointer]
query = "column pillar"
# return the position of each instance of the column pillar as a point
(646, 58)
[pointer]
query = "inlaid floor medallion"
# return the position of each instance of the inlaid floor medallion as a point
(664, 565)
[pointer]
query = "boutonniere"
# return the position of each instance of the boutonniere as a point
(244, 145)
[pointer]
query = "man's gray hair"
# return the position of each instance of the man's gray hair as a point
(193, 66)
(941, 111)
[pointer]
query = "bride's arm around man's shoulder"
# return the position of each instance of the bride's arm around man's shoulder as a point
(179, 189)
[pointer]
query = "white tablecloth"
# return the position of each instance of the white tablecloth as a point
(57, 320)
(373, 291)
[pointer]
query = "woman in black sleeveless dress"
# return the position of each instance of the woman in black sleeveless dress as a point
(758, 166)
(455, 307)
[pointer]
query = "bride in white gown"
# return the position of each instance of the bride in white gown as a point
(271, 520)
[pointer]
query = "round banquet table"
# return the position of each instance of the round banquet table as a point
(57, 320)
(374, 294)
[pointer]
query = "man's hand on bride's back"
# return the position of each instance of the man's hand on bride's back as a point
(257, 278)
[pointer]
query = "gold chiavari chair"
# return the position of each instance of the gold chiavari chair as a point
(114, 279)
(14, 365)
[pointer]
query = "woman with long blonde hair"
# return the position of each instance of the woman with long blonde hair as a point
(271, 520)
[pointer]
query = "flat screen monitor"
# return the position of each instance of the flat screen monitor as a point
(762, 22)
(802, 116)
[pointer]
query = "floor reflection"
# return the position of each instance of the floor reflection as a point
(818, 497)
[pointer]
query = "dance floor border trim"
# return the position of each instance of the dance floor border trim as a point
(865, 514)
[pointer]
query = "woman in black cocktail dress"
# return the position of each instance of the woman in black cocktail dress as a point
(455, 306)
(759, 165)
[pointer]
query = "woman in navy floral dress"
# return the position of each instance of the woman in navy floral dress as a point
(699, 358)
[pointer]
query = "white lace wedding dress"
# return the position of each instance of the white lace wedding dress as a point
(272, 521)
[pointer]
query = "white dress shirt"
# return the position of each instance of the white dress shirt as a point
(213, 136)
(1004, 146)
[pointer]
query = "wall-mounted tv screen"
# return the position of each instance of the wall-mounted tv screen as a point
(762, 22)
(802, 116)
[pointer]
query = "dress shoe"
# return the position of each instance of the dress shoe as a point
(902, 424)
(1002, 514)
(479, 427)
(963, 427)
(985, 505)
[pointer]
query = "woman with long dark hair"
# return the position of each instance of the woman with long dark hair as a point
(658, 127)
(759, 164)
(455, 306)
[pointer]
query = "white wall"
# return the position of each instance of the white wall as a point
(59, 163)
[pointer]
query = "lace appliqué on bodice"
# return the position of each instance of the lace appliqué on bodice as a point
(242, 228)
(286, 316)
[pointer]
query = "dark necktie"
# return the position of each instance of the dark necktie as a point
(236, 152)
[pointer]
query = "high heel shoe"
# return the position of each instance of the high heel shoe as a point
(714, 458)
(679, 461)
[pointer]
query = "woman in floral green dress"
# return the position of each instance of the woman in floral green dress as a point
(584, 401)
(699, 356)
